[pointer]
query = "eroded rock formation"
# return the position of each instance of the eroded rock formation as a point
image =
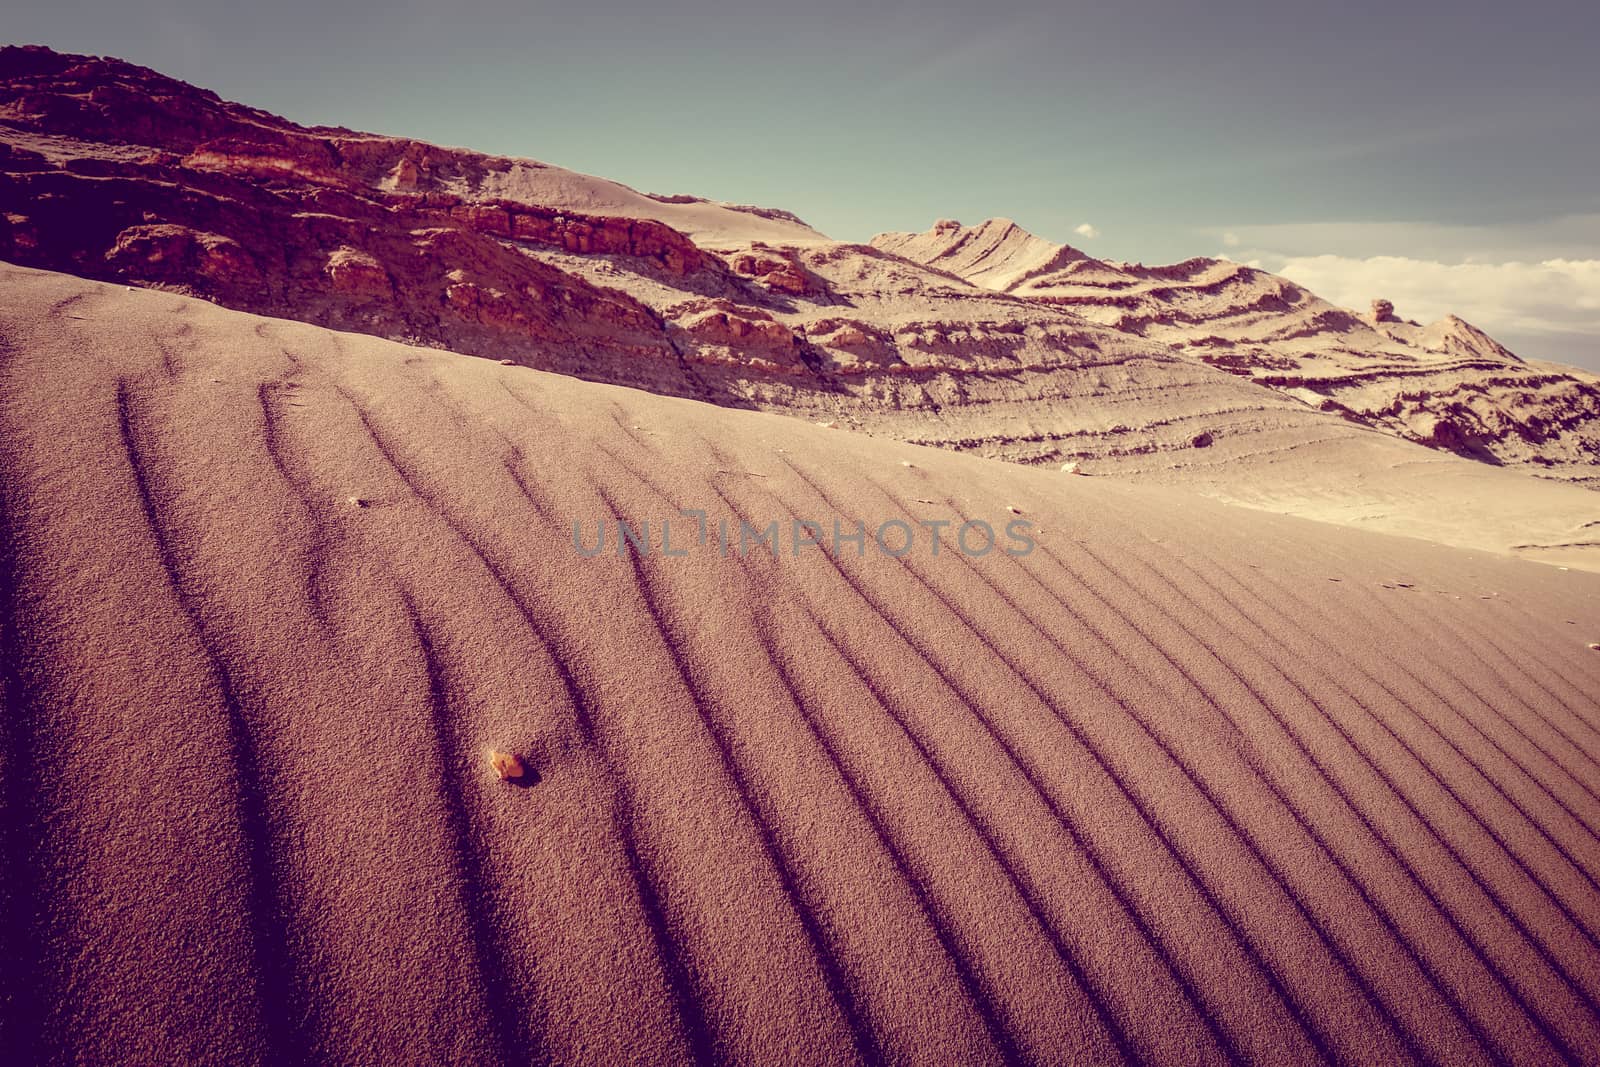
(984, 338)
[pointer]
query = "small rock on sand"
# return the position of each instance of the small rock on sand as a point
(508, 363)
(356, 501)
(1013, 509)
(829, 425)
(1594, 646)
(1071, 468)
(506, 765)
(907, 463)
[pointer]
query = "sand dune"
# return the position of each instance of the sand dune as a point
(1187, 783)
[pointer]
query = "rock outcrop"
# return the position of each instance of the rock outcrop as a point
(1447, 385)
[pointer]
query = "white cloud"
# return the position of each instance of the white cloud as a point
(1532, 240)
(1086, 229)
(1550, 308)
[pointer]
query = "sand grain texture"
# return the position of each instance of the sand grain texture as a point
(1160, 791)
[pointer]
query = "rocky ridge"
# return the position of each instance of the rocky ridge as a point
(984, 339)
(1447, 385)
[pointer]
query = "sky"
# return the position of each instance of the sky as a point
(1444, 155)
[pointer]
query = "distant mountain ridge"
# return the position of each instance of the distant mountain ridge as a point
(986, 338)
(1447, 384)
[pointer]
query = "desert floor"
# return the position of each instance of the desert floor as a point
(1187, 783)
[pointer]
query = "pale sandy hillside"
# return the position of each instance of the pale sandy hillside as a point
(1189, 783)
(898, 349)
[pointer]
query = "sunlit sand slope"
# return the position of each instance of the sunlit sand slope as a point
(1187, 783)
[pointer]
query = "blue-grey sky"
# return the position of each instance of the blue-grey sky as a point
(1443, 154)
